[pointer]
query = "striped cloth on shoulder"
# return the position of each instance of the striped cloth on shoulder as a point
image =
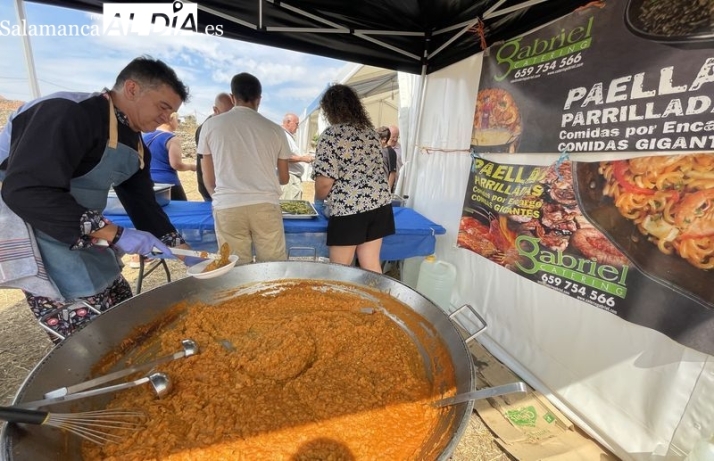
(20, 261)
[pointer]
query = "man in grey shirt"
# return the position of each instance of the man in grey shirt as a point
(297, 163)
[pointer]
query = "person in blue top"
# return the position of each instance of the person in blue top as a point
(166, 157)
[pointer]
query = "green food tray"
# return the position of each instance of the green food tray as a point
(308, 208)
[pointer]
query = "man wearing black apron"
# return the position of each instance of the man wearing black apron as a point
(59, 156)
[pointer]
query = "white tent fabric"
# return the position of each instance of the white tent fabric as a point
(635, 390)
(379, 92)
(411, 97)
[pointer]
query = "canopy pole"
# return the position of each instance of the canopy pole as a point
(495, 12)
(337, 28)
(452, 39)
(409, 162)
(27, 49)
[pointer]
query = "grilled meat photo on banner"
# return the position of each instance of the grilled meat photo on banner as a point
(634, 237)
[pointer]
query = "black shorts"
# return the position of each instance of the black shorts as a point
(359, 228)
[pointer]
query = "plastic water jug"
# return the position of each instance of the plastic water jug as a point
(409, 272)
(703, 450)
(436, 281)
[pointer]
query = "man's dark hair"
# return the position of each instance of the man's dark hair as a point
(246, 87)
(152, 73)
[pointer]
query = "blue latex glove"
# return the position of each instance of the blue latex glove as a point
(138, 242)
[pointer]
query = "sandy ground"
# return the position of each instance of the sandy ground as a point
(23, 344)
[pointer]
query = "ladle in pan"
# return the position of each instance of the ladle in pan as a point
(189, 348)
(160, 383)
(495, 391)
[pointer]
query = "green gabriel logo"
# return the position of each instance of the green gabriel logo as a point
(518, 54)
(580, 276)
(525, 416)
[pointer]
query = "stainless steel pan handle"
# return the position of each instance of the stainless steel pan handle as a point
(473, 335)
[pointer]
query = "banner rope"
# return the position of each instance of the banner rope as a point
(433, 150)
(480, 30)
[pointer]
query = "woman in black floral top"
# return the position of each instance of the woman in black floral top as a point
(351, 178)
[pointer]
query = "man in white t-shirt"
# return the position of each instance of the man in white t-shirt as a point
(241, 150)
(293, 189)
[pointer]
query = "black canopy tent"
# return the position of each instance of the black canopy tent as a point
(416, 36)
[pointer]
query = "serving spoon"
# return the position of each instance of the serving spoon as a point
(176, 251)
(160, 384)
(182, 252)
(189, 348)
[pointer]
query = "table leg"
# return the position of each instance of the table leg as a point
(146, 271)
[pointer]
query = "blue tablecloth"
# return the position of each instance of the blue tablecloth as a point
(415, 236)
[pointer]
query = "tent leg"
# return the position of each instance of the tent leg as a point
(27, 48)
(412, 154)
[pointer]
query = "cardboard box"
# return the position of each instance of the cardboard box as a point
(527, 426)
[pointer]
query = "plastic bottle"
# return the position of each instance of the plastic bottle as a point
(703, 450)
(436, 281)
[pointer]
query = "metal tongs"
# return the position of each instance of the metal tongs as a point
(159, 381)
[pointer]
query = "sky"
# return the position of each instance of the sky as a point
(291, 80)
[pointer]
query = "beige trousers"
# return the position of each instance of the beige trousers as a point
(256, 227)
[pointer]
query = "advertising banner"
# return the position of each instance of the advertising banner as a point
(634, 237)
(616, 77)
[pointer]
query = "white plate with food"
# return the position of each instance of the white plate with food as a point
(199, 270)
(214, 267)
